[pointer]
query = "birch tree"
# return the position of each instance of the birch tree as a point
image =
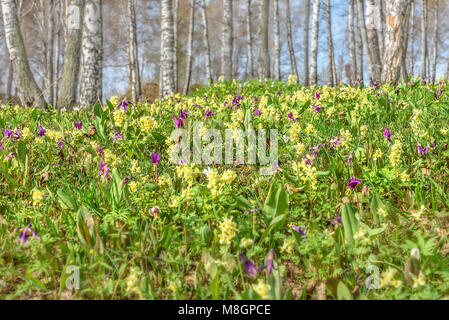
(167, 48)
(424, 69)
(249, 39)
(435, 40)
(72, 55)
(411, 64)
(330, 47)
(373, 38)
(28, 90)
(396, 25)
(380, 24)
(175, 36)
(277, 41)
(306, 42)
(315, 31)
(262, 30)
(92, 54)
(189, 49)
(206, 39)
(227, 40)
(132, 50)
(291, 48)
(360, 60)
(352, 53)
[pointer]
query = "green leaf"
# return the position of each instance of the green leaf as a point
(215, 287)
(350, 224)
(66, 201)
(343, 292)
(83, 230)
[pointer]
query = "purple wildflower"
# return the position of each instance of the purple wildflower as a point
(25, 234)
(337, 220)
(422, 151)
(78, 125)
(270, 259)
(60, 144)
(9, 156)
(100, 150)
(290, 116)
(388, 134)
(249, 266)
(178, 122)
(352, 184)
(41, 131)
(317, 108)
(208, 113)
(155, 158)
(257, 112)
(124, 104)
(349, 161)
(117, 135)
(300, 229)
(182, 114)
(104, 170)
(126, 179)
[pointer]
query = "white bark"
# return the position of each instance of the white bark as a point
(330, 47)
(411, 65)
(206, 39)
(352, 53)
(277, 41)
(227, 45)
(435, 41)
(315, 31)
(380, 25)
(396, 25)
(167, 48)
(133, 62)
(373, 38)
(72, 54)
(306, 42)
(360, 60)
(28, 90)
(92, 54)
(424, 73)
(175, 36)
(189, 49)
(262, 7)
(249, 39)
(291, 48)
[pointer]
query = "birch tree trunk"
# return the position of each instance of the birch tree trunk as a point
(330, 47)
(364, 36)
(352, 53)
(56, 66)
(262, 30)
(167, 48)
(411, 65)
(175, 36)
(9, 82)
(206, 39)
(277, 41)
(380, 25)
(28, 90)
(435, 41)
(405, 38)
(315, 30)
(72, 55)
(396, 24)
(360, 66)
(49, 41)
(92, 51)
(291, 49)
(306, 42)
(133, 64)
(227, 40)
(189, 49)
(373, 38)
(424, 39)
(249, 39)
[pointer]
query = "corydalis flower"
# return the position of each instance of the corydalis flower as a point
(349, 161)
(422, 151)
(117, 135)
(336, 220)
(124, 104)
(300, 229)
(315, 150)
(25, 234)
(41, 131)
(290, 116)
(183, 114)
(155, 158)
(208, 114)
(257, 112)
(317, 108)
(78, 125)
(352, 184)
(60, 144)
(104, 170)
(388, 134)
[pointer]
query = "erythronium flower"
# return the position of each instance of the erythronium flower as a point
(352, 184)
(126, 179)
(124, 104)
(183, 114)
(307, 160)
(60, 144)
(25, 234)
(104, 170)
(388, 134)
(317, 108)
(117, 135)
(155, 158)
(315, 150)
(290, 116)
(9, 156)
(41, 131)
(257, 112)
(270, 259)
(100, 150)
(249, 266)
(178, 122)
(208, 114)
(300, 229)
(336, 142)
(78, 125)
